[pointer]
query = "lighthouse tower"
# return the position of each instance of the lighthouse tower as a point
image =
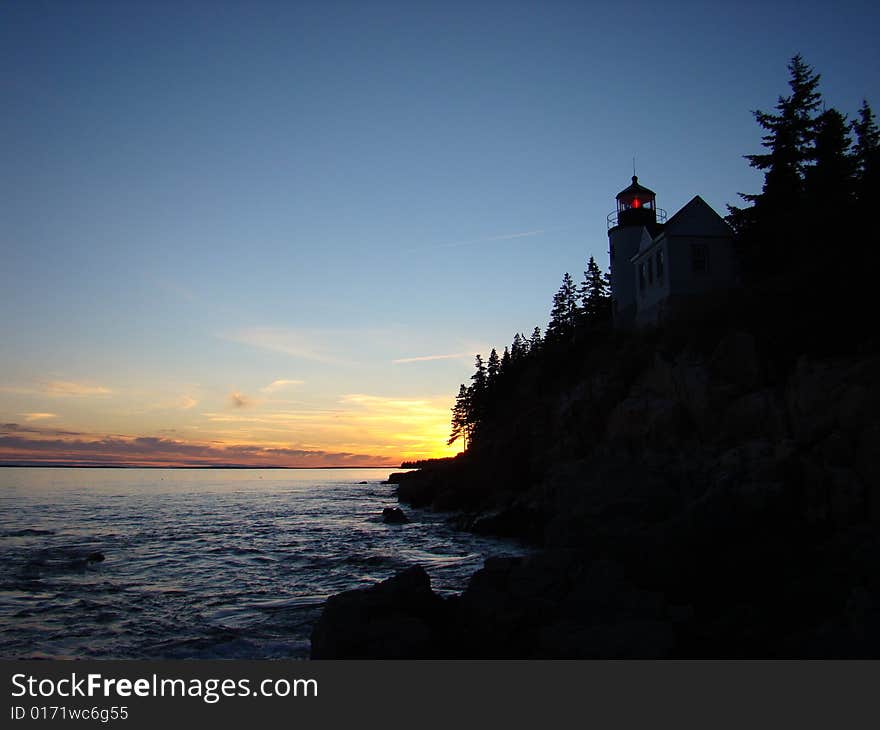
(636, 216)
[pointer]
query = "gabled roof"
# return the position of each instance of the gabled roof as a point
(697, 218)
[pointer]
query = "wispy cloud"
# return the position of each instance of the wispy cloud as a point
(30, 417)
(305, 344)
(57, 388)
(428, 358)
(71, 388)
(521, 234)
(279, 384)
(484, 239)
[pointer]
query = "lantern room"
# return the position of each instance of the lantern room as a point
(636, 206)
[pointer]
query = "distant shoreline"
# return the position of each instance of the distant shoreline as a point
(224, 466)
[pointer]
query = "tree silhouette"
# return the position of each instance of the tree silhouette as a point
(461, 418)
(830, 183)
(789, 138)
(505, 361)
(866, 152)
(535, 340)
(517, 349)
(564, 311)
(594, 294)
(493, 365)
(775, 214)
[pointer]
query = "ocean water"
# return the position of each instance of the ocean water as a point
(202, 563)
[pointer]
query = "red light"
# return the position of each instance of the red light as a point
(636, 203)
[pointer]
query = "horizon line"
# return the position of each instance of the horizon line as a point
(57, 465)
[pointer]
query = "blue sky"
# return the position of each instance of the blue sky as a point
(202, 199)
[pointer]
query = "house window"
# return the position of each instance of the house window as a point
(641, 277)
(659, 258)
(699, 258)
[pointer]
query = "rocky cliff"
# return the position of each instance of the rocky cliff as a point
(709, 495)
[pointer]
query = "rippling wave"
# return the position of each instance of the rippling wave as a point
(155, 564)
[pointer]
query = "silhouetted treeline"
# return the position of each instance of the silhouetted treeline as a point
(821, 173)
(577, 312)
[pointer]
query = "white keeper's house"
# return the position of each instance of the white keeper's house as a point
(660, 267)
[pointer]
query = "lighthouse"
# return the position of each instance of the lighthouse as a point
(636, 216)
(664, 269)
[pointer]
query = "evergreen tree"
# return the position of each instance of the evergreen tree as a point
(477, 398)
(594, 294)
(789, 139)
(461, 418)
(831, 181)
(517, 349)
(564, 311)
(774, 217)
(535, 340)
(505, 361)
(866, 151)
(479, 377)
(493, 365)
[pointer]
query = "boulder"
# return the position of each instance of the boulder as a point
(735, 360)
(394, 516)
(399, 618)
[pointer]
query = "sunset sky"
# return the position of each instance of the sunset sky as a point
(276, 233)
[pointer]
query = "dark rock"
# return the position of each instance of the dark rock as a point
(400, 618)
(95, 557)
(394, 516)
(619, 640)
(417, 491)
(395, 477)
(736, 359)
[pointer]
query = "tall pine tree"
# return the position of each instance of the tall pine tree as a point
(866, 151)
(775, 219)
(461, 418)
(830, 183)
(493, 364)
(564, 311)
(594, 295)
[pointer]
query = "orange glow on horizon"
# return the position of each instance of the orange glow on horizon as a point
(363, 430)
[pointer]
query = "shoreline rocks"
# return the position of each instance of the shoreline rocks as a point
(399, 618)
(394, 516)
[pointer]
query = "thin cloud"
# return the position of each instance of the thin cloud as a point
(523, 234)
(298, 343)
(71, 388)
(30, 417)
(484, 239)
(57, 388)
(187, 401)
(279, 384)
(428, 358)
